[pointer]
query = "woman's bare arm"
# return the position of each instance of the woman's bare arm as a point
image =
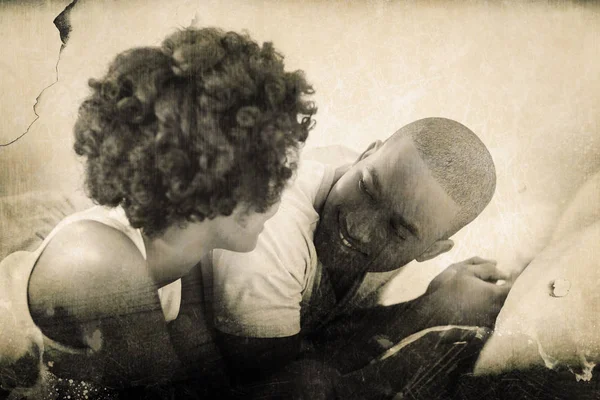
(91, 290)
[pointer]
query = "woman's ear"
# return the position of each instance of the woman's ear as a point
(240, 215)
(373, 147)
(437, 248)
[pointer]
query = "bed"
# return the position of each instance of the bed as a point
(546, 342)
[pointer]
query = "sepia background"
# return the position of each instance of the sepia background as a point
(523, 75)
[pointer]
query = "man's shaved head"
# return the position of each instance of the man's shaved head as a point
(458, 160)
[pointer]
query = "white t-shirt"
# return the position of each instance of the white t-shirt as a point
(261, 293)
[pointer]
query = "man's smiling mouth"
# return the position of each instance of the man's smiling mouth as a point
(345, 237)
(345, 241)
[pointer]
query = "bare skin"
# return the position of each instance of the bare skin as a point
(92, 290)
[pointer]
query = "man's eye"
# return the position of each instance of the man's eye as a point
(363, 188)
(397, 231)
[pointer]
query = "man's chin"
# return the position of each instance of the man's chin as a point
(325, 246)
(334, 254)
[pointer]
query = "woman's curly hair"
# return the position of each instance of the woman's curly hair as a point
(191, 129)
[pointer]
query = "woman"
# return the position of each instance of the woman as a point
(187, 148)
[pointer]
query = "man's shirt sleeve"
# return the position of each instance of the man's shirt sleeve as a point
(259, 294)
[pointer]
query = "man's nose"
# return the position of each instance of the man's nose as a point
(362, 226)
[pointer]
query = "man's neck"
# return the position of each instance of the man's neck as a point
(342, 282)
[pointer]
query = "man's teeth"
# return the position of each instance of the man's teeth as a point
(345, 241)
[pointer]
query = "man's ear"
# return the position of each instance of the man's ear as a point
(373, 147)
(437, 248)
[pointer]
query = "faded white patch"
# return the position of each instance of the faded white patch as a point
(560, 287)
(384, 341)
(549, 361)
(416, 336)
(94, 340)
(586, 369)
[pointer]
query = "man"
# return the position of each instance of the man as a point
(401, 200)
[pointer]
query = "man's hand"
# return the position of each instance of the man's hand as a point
(471, 293)
(465, 294)
(424, 368)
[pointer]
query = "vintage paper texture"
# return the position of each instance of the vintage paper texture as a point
(525, 76)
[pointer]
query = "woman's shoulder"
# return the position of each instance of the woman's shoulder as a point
(93, 291)
(88, 269)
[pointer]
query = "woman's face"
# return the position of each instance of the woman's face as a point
(239, 232)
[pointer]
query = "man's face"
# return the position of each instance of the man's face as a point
(384, 212)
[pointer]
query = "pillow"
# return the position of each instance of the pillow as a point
(552, 314)
(26, 219)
